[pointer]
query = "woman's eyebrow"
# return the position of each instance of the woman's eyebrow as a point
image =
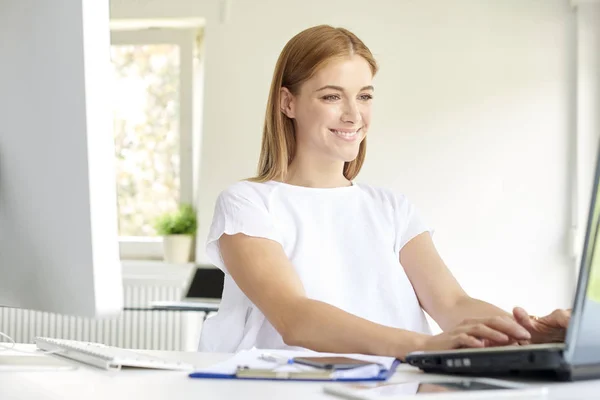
(341, 89)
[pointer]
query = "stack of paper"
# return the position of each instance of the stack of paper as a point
(253, 360)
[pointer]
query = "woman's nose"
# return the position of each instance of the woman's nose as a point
(351, 113)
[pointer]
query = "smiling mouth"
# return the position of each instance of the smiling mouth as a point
(347, 134)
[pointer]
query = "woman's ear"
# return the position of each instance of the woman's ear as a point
(287, 102)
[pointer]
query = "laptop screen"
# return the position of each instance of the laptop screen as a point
(594, 254)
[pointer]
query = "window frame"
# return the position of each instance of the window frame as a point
(150, 248)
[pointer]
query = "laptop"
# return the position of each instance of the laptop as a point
(203, 291)
(577, 358)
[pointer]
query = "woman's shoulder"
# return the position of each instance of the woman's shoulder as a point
(383, 194)
(256, 192)
(405, 212)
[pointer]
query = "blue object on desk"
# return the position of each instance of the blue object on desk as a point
(387, 373)
(383, 375)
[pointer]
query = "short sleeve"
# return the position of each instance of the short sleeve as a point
(409, 222)
(238, 213)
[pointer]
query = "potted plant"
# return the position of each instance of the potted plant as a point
(178, 230)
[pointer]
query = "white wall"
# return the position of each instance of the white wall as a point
(472, 122)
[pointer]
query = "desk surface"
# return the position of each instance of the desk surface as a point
(91, 383)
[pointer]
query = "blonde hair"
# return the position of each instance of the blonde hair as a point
(299, 60)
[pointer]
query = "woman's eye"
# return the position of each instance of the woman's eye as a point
(331, 97)
(366, 97)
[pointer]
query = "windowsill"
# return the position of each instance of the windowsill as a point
(141, 263)
(141, 248)
(155, 270)
(159, 270)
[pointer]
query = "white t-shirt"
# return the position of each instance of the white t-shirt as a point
(343, 242)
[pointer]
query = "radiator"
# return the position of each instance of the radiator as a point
(153, 330)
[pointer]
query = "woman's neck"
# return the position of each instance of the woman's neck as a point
(316, 173)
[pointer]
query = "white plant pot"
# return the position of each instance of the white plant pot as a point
(177, 248)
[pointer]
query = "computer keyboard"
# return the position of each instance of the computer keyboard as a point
(106, 357)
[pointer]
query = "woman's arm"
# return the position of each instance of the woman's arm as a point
(439, 293)
(264, 273)
(448, 304)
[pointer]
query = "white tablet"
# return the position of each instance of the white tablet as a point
(464, 388)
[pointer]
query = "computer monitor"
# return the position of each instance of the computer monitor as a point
(207, 284)
(58, 206)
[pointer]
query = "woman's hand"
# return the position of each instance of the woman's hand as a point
(549, 329)
(478, 332)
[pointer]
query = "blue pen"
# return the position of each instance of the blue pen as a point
(276, 358)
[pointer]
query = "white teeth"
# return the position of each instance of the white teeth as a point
(344, 134)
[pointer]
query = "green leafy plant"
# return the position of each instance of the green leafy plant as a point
(181, 222)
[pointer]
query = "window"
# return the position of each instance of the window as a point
(152, 126)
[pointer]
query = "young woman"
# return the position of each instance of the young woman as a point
(314, 260)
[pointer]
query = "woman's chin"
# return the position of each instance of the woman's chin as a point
(349, 156)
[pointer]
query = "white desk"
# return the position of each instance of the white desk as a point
(90, 383)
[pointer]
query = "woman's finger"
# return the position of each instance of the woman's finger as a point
(466, 340)
(482, 331)
(523, 318)
(508, 326)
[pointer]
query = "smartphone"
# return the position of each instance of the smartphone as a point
(332, 363)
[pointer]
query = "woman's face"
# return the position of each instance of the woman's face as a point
(332, 110)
